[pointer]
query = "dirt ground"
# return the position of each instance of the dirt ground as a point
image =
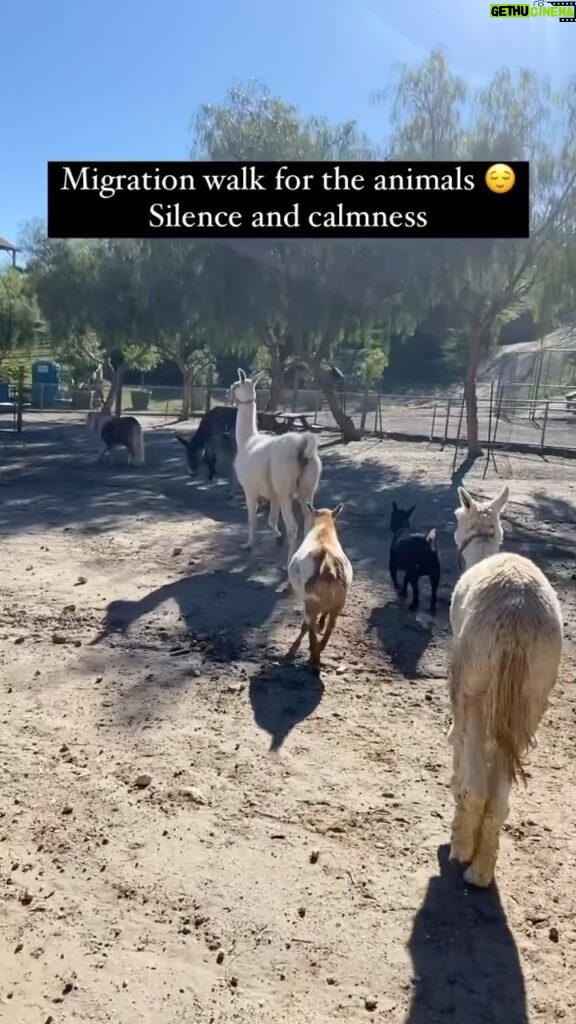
(191, 831)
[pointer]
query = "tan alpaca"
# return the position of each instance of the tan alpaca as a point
(507, 626)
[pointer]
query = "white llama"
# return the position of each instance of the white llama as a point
(278, 469)
(507, 626)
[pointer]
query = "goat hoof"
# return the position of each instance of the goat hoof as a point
(459, 855)
(477, 877)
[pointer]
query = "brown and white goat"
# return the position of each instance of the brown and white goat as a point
(508, 632)
(320, 575)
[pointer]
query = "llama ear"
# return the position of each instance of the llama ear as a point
(257, 377)
(499, 502)
(241, 375)
(466, 500)
(336, 511)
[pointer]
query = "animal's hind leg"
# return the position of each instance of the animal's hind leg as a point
(296, 645)
(328, 631)
(481, 870)
(234, 483)
(105, 451)
(307, 517)
(273, 520)
(315, 647)
(413, 581)
(434, 581)
(210, 462)
(393, 571)
(290, 524)
(252, 507)
(470, 783)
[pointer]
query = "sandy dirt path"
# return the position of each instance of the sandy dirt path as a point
(192, 831)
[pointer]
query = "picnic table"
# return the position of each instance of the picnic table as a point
(290, 420)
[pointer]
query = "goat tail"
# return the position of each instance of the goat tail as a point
(137, 441)
(431, 540)
(506, 709)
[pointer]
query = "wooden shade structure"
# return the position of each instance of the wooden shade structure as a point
(6, 246)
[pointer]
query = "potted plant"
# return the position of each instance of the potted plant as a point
(140, 399)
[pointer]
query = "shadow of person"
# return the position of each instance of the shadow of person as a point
(282, 697)
(466, 965)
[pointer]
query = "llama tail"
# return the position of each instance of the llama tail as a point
(307, 449)
(138, 445)
(431, 539)
(506, 708)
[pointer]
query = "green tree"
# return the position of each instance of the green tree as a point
(302, 298)
(485, 284)
(19, 315)
(90, 297)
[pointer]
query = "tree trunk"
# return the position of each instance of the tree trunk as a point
(118, 397)
(186, 392)
(295, 389)
(275, 379)
(365, 401)
(209, 386)
(324, 382)
(472, 431)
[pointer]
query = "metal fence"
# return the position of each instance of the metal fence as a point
(506, 418)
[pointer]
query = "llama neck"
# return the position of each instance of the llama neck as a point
(477, 547)
(246, 426)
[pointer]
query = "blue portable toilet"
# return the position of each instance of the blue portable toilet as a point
(45, 383)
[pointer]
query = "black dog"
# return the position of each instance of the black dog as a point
(415, 555)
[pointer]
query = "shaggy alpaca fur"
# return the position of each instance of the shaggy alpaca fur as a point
(508, 633)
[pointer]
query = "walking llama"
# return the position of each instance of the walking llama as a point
(320, 575)
(507, 625)
(117, 431)
(276, 468)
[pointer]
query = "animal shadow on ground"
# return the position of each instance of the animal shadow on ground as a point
(402, 636)
(209, 604)
(282, 697)
(466, 965)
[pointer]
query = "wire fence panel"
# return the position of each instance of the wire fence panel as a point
(514, 414)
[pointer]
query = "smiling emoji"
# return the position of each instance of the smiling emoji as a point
(500, 178)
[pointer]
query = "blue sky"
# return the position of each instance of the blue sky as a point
(120, 79)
